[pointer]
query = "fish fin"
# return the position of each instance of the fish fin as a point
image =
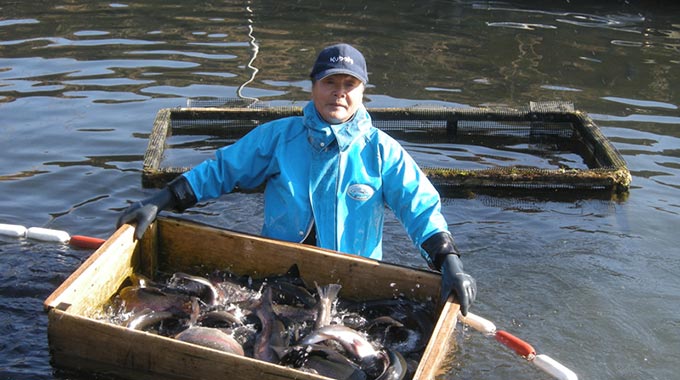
(293, 271)
(329, 291)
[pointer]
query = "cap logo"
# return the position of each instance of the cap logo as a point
(337, 59)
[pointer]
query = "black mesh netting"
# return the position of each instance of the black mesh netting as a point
(546, 146)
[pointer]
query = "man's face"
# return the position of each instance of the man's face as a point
(337, 97)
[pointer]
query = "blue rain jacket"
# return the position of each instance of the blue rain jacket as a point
(339, 177)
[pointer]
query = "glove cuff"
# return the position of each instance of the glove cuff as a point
(438, 246)
(182, 192)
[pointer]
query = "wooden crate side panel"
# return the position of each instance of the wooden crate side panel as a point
(148, 255)
(99, 277)
(84, 344)
(441, 343)
(187, 245)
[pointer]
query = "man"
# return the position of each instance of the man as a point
(328, 175)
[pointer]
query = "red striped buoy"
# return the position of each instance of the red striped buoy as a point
(542, 361)
(521, 347)
(87, 242)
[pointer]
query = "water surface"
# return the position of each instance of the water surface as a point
(591, 282)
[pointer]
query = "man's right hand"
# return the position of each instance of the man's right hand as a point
(178, 195)
(140, 214)
(455, 281)
(444, 256)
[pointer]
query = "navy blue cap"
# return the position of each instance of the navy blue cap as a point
(340, 59)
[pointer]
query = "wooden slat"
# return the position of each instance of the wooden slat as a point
(439, 346)
(98, 277)
(187, 245)
(85, 344)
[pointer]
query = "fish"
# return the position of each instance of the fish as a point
(396, 368)
(323, 361)
(136, 299)
(279, 320)
(330, 363)
(416, 319)
(340, 370)
(372, 361)
(147, 318)
(217, 318)
(212, 338)
(288, 288)
(288, 293)
(294, 314)
(383, 321)
(327, 296)
(196, 286)
(272, 333)
(292, 276)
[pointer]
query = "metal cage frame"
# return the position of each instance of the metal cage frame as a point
(607, 172)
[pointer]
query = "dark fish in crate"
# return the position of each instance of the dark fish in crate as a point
(372, 361)
(396, 368)
(273, 333)
(211, 338)
(136, 299)
(219, 318)
(400, 324)
(196, 286)
(329, 362)
(294, 314)
(147, 319)
(288, 289)
(322, 360)
(288, 293)
(292, 276)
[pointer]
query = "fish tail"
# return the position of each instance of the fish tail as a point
(329, 292)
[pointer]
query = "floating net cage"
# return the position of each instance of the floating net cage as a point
(560, 149)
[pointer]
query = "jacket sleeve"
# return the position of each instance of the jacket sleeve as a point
(246, 164)
(410, 194)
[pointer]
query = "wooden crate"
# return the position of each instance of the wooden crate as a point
(80, 340)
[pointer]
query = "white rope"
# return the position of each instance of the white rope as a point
(255, 49)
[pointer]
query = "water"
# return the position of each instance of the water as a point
(593, 283)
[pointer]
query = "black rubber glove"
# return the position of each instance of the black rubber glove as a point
(445, 257)
(178, 195)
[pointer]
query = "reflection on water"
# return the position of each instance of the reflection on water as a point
(591, 282)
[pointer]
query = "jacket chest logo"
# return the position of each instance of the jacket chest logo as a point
(360, 192)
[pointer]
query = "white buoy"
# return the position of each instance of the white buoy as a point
(478, 323)
(46, 234)
(12, 230)
(554, 368)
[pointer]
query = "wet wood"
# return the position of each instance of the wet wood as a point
(98, 277)
(186, 245)
(85, 344)
(79, 339)
(440, 345)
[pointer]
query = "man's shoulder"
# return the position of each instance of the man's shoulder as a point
(286, 127)
(284, 123)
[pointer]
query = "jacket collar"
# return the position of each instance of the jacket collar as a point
(321, 134)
